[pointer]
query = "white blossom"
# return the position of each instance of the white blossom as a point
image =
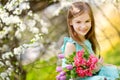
(7, 78)
(63, 4)
(30, 13)
(1, 64)
(18, 34)
(3, 56)
(34, 30)
(12, 4)
(5, 31)
(17, 11)
(3, 14)
(43, 23)
(22, 26)
(7, 63)
(44, 30)
(10, 19)
(36, 17)
(18, 51)
(3, 75)
(9, 5)
(5, 47)
(24, 6)
(36, 38)
(31, 23)
(7, 55)
(9, 70)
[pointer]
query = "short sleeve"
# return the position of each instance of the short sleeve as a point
(66, 39)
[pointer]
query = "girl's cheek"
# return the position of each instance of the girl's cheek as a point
(76, 25)
(88, 24)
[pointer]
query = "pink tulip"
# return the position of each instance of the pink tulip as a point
(69, 67)
(58, 68)
(62, 73)
(61, 56)
(94, 60)
(80, 53)
(89, 73)
(63, 77)
(58, 77)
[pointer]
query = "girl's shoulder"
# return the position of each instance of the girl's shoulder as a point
(65, 41)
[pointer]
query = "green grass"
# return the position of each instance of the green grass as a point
(41, 70)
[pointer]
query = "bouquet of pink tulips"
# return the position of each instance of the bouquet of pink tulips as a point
(79, 64)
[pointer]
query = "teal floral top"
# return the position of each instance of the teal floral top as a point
(105, 73)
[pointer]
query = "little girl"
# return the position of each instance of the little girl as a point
(81, 28)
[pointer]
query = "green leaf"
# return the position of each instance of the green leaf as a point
(86, 54)
(73, 73)
(70, 59)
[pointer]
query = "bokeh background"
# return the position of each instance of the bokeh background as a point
(32, 32)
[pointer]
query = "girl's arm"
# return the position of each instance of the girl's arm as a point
(69, 49)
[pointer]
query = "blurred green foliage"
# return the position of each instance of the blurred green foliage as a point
(112, 56)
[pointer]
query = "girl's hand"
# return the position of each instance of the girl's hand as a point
(101, 60)
(99, 65)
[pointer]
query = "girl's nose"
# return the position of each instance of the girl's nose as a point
(82, 25)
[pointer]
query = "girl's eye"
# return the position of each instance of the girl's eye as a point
(78, 22)
(87, 21)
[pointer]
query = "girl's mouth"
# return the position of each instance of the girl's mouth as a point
(84, 30)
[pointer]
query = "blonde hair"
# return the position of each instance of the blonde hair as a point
(82, 7)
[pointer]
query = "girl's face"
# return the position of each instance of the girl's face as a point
(81, 24)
